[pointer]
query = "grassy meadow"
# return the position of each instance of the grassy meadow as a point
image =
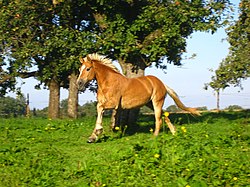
(211, 150)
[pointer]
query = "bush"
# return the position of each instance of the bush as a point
(88, 109)
(233, 108)
(11, 107)
(173, 108)
(202, 108)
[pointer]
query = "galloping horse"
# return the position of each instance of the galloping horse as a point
(115, 91)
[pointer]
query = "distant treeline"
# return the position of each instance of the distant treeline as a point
(17, 107)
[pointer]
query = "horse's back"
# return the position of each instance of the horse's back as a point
(139, 91)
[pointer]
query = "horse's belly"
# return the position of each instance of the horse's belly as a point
(134, 102)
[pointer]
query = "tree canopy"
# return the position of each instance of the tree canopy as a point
(236, 66)
(142, 32)
(41, 39)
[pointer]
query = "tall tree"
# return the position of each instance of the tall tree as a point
(73, 37)
(236, 66)
(138, 33)
(47, 36)
(26, 27)
(219, 83)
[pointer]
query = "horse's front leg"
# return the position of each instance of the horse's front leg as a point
(98, 126)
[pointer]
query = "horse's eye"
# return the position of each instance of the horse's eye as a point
(87, 69)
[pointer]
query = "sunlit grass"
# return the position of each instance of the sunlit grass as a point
(212, 150)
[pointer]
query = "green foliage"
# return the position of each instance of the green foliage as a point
(40, 113)
(233, 108)
(146, 110)
(142, 32)
(64, 107)
(173, 108)
(11, 107)
(42, 37)
(202, 108)
(88, 109)
(212, 150)
(236, 66)
(48, 36)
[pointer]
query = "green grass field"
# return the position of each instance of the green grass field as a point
(211, 150)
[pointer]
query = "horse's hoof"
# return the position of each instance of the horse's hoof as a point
(91, 140)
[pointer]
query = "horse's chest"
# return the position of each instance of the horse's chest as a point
(109, 98)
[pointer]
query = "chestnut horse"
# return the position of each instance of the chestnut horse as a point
(115, 91)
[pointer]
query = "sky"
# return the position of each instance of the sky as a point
(188, 80)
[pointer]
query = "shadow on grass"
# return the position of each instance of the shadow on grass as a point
(146, 122)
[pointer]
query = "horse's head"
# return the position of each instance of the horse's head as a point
(87, 73)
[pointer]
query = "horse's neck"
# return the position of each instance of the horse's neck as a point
(105, 75)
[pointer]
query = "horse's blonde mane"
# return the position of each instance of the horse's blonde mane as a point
(102, 59)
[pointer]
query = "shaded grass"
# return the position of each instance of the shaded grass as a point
(212, 150)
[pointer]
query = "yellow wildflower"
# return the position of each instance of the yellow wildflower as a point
(157, 155)
(235, 178)
(187, 185)
(151, 130)
(183, 129)
(117, 128)
(166, 114)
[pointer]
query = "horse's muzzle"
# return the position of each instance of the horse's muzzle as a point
(81, 85)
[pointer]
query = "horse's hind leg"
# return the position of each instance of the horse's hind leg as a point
(158, 111)
(167, 120)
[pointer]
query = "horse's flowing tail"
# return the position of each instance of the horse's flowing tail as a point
(178, 102)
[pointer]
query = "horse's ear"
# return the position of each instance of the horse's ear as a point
(81, 59)
(89, 59)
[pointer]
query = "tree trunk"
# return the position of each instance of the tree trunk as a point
(73, 97)
(129, 117)
(54, 99)
(218, 100)
(27, 108)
